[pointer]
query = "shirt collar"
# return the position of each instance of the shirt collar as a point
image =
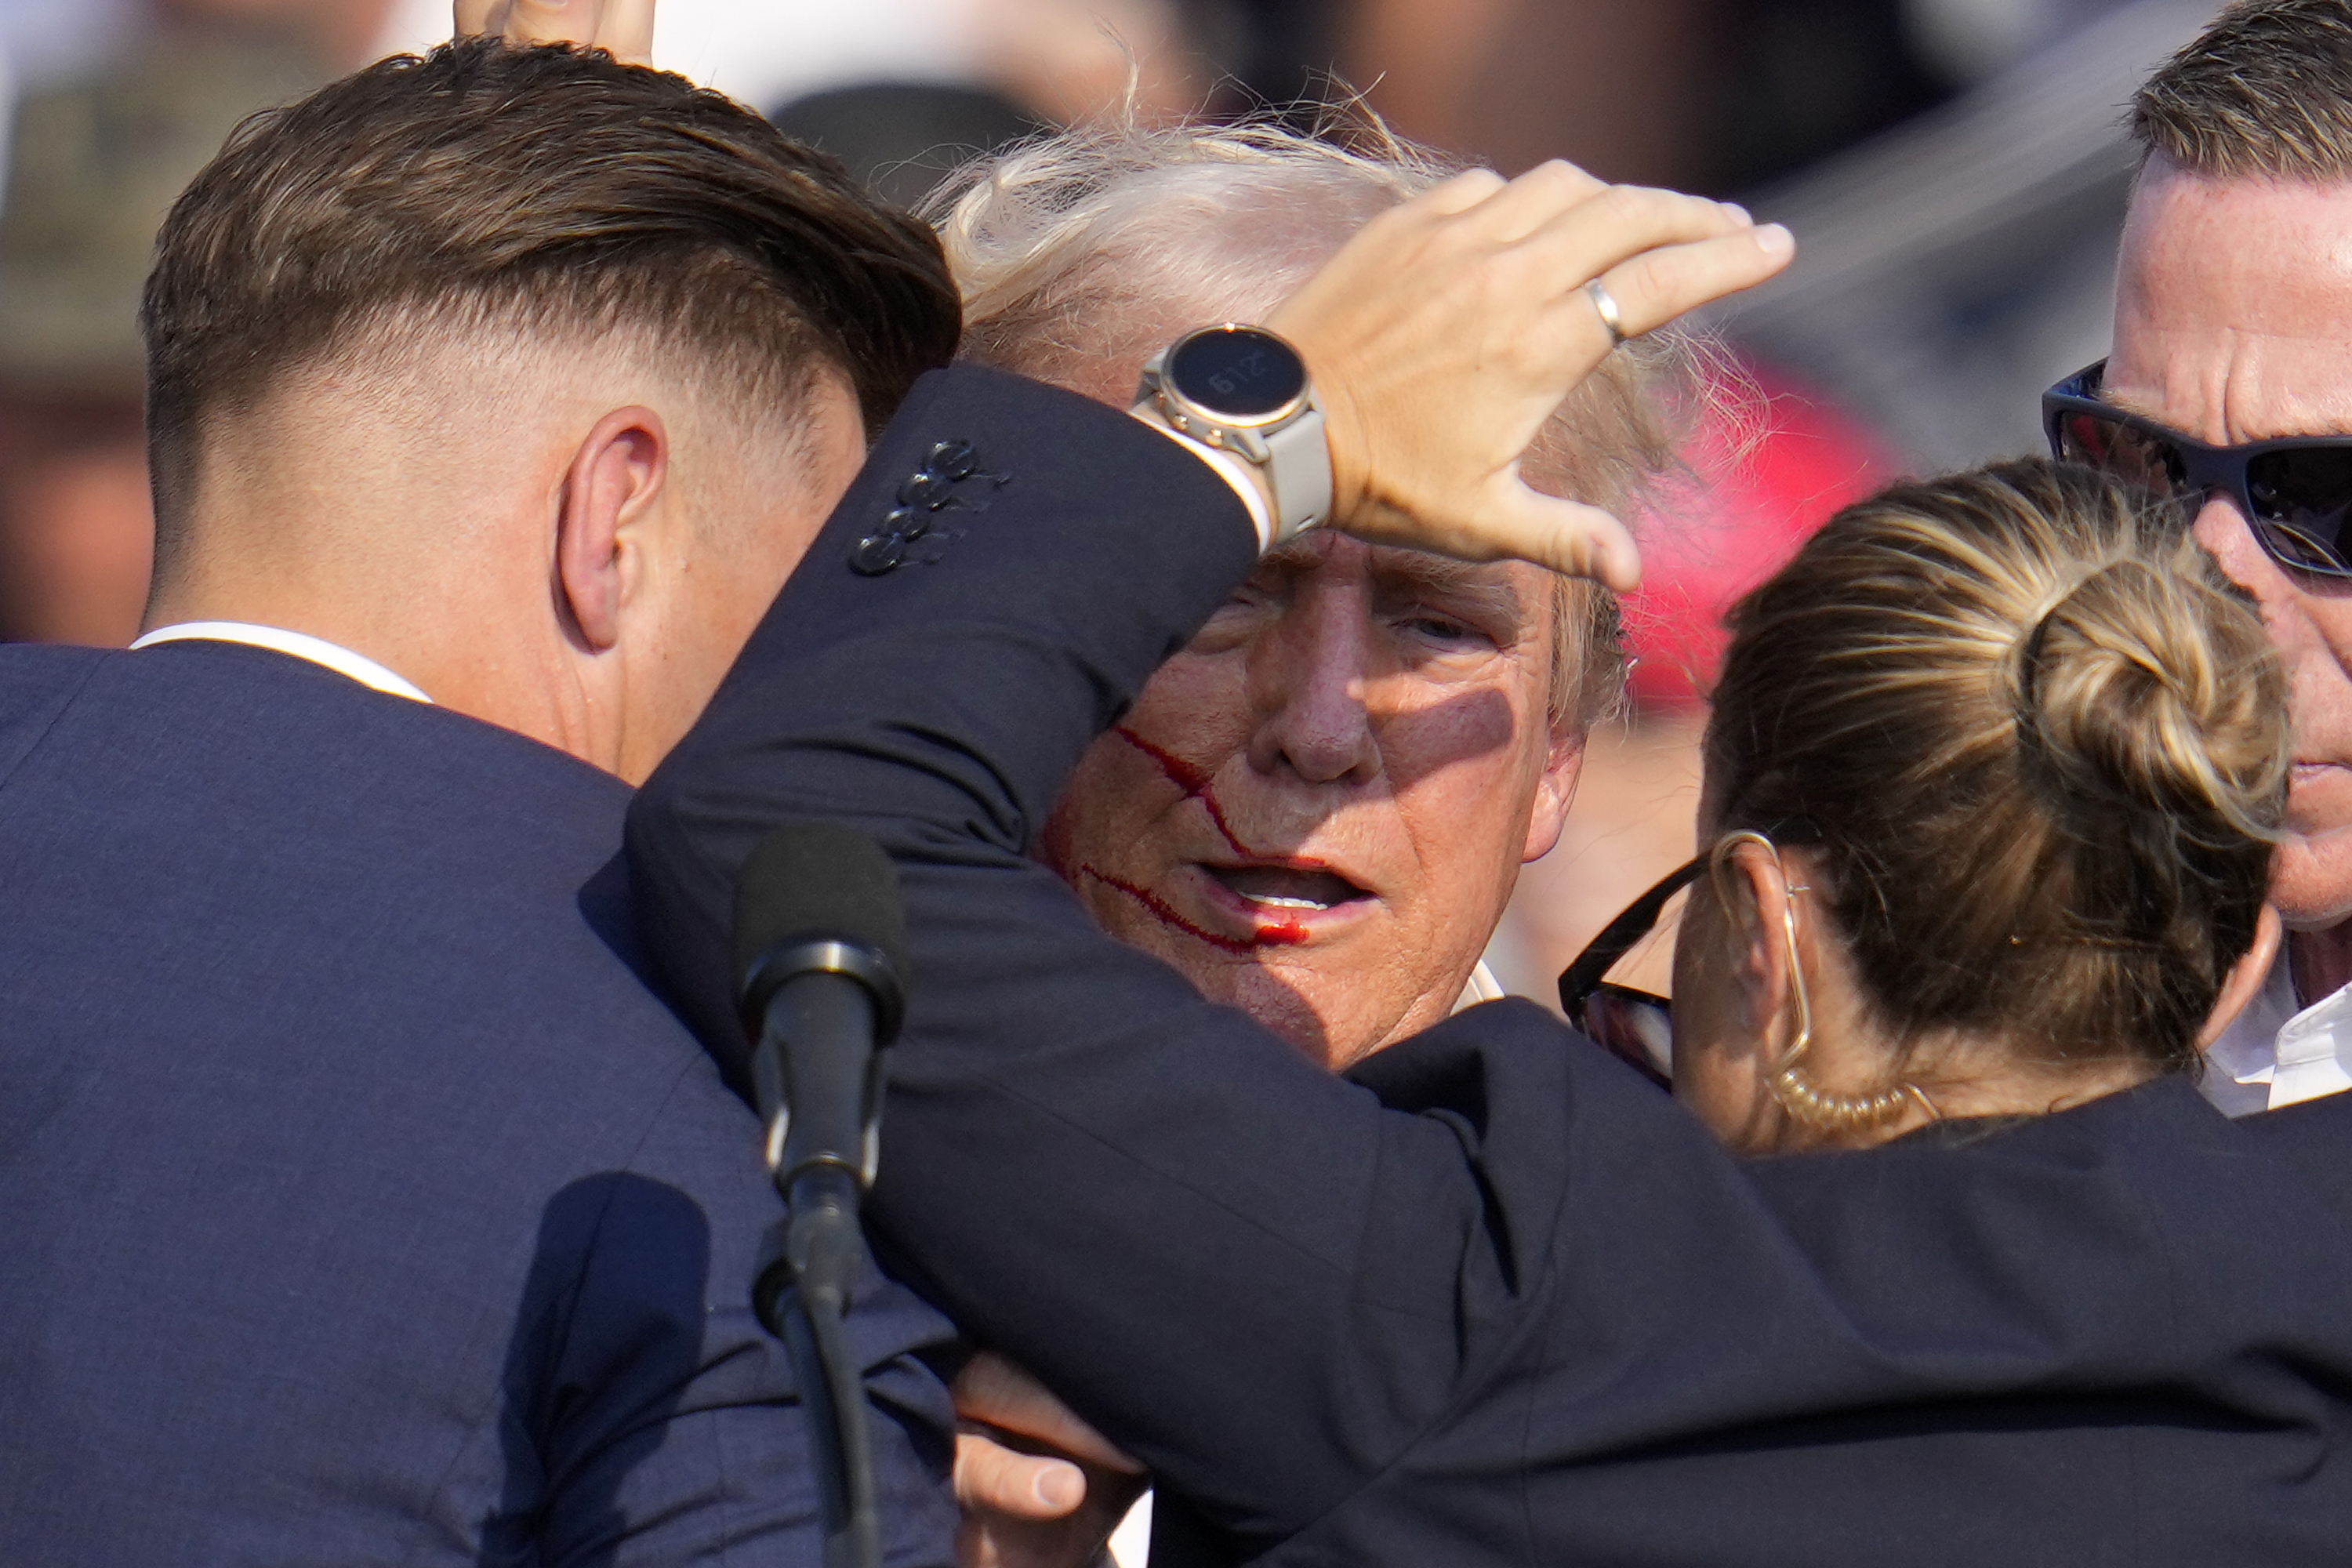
(2272, 1054)
(300, 645)
(1482, 986)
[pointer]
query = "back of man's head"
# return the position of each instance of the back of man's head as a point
(545, 192)
(2264, 92)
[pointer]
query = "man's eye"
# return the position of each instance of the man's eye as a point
(1235, 622)
(1440, 628)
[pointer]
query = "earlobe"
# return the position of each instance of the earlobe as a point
(2246, 977)
(1555, 793)
(614, 479)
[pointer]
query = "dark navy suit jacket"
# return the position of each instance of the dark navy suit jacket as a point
(358, 1202)
(1496, 1301)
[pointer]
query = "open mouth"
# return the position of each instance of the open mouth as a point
(1285, 889)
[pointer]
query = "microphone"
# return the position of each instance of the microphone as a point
(821, 961)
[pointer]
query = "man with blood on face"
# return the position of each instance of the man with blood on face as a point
(1317, 811)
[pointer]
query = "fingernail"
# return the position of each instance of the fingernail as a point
(1736, 210)
(1774, 239)
(1061, 1487)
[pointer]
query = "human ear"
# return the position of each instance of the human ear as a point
(1753, 888)
(613, 480)
(2245, 978)
(1554, 791)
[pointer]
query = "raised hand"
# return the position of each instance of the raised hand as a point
(624, 28)
(1448, 329)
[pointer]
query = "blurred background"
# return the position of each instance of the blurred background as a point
(1954, 169)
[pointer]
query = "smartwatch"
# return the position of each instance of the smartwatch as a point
(1243, 390)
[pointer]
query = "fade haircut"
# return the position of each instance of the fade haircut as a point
(548, 190)
(1087, 251)
(2266, 91)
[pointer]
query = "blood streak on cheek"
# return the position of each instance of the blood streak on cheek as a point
(1283, 933)
(1194, 782)
(1165, 913)
(1188, 778)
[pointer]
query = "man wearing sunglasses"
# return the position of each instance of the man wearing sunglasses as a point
(2232, 379)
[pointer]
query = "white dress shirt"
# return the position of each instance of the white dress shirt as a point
(300, 645)
(2271, 1055)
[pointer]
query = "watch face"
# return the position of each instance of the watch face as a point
(1237, 372)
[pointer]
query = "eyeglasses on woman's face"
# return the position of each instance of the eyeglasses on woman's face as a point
(1634, 1025)
(2295, 492)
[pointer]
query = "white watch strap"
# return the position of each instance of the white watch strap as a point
(1298, 468)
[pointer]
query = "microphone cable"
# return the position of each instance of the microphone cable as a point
(820, 957)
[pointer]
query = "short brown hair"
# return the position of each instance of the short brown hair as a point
(2042, 745)
(2266, 91)
(550, 188)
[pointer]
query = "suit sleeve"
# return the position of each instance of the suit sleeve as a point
(660, 1423)
(1154, 1202)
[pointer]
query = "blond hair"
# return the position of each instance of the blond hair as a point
(2266, 91)
(1079, 255)
(2042, 745)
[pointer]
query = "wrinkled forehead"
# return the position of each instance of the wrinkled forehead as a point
(2233, 308)
(1396, 571)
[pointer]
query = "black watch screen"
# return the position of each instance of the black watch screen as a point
(1236, 373)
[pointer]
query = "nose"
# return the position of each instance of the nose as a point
(1309, 682)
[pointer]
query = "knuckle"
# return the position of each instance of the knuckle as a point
(1626, 204)
(1553, 172)
(1648, 277)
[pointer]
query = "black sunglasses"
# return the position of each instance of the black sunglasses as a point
(2295, 493)
(1635, 1025)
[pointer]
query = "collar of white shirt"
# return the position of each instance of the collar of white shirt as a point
(1482, 986)
(2271, 1055)
(300, 645)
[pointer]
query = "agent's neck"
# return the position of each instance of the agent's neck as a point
(459, 642)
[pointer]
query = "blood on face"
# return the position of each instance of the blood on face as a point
(1195, 784)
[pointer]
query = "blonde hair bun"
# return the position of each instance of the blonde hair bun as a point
(2140, 689)
(2040, 743)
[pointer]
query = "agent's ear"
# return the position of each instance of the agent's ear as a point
(1749, 880)
(1555, 792)
(2245, 979)
(613, 478)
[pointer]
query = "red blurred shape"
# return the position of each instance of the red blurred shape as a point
(1768, 465)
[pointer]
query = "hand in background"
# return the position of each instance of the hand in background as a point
(1449, 328)
(1050, 1503)
(624, 28)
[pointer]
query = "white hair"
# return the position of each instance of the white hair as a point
(1080, 254)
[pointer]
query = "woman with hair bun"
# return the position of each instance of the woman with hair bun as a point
(1992, 781)
(1991, 784)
